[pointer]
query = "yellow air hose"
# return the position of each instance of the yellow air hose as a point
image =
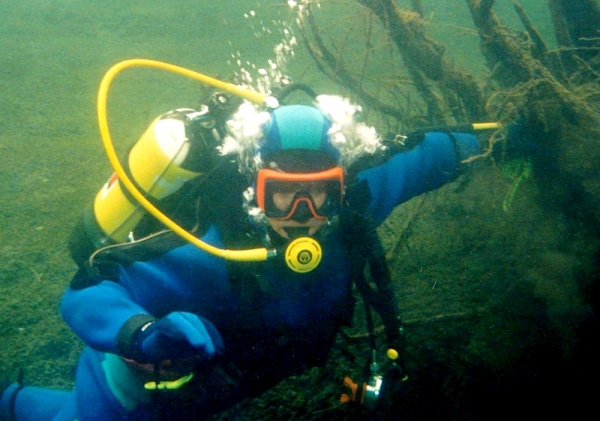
(486, 126)
(257, 254)
(250, 255)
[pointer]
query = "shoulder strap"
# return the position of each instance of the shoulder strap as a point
(364, 248)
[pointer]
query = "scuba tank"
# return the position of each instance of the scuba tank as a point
(157, 164)
(177, 147)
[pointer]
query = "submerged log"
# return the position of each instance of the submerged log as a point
(539, 48)
(549, 104)
(509, 63)
(421, 54)
(564, 122)
(553, 95)
(579, 25)
(449, 93)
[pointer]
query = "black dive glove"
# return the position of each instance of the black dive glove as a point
(178, 335)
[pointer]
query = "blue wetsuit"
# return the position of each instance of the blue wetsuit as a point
(288, 324)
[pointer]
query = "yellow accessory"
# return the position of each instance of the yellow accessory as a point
(156, 164)
(486, 126)
(392, 354)
(169, 385)
(258, 254)
(303, 254)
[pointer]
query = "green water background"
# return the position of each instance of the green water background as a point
(53, 55)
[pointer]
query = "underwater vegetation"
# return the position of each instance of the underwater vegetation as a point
(551, 93)
(497, 275)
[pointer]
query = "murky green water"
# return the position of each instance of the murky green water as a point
(53, 55)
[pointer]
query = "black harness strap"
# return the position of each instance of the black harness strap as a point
(364, 248)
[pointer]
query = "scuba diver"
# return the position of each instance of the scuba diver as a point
(174, 332)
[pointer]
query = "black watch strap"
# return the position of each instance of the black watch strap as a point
(127, 338)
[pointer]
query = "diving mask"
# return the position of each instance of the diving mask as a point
(300, 196)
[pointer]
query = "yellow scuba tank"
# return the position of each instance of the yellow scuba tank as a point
(174, 149)
(156, 163)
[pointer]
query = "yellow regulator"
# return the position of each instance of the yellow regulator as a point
(303, 254)
(159, 165)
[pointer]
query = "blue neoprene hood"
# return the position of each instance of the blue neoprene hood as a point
(298, 127)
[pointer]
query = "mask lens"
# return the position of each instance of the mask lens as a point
(282, 195)
(318, 199)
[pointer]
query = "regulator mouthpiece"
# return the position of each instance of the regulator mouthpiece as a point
(303, 254)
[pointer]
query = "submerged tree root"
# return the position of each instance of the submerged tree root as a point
(553, 95)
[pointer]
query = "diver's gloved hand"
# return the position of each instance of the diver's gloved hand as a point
(466, 145)
(180, 335)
